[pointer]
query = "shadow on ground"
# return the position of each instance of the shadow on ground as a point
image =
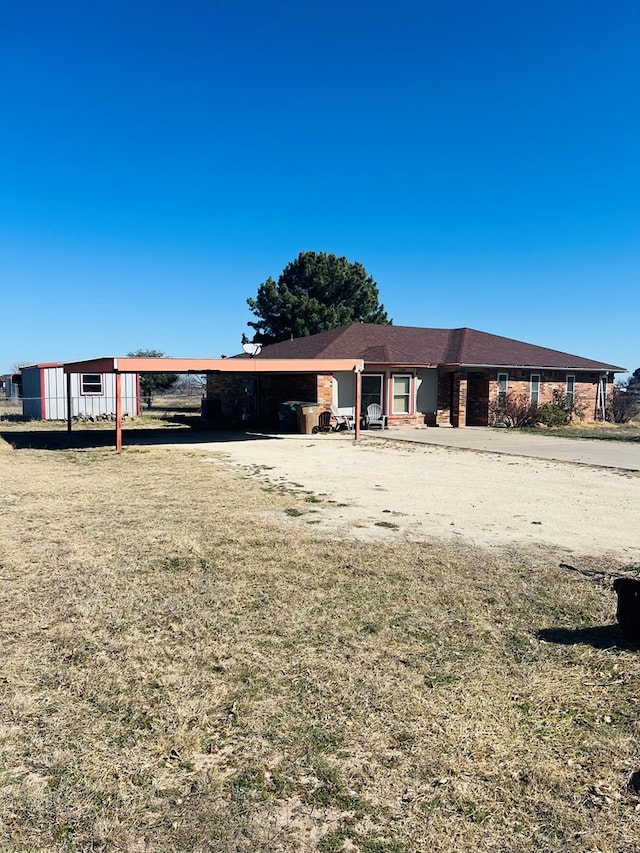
(95, 438)
(598, 636)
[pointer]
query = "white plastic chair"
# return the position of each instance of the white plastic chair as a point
(342, 421)
(375, 416)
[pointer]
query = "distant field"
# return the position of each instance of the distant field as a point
(187, 667)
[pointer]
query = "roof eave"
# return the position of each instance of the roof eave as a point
(136, 364)
(604, 368)
(414, 365)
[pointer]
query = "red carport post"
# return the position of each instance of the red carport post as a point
(68, 377)
(118, 412)
(358, 372)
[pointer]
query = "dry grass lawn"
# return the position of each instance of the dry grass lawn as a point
(187, 667)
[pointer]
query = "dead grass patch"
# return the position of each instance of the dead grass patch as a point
(186, 667)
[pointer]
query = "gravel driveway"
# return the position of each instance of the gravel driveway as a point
(383, 488)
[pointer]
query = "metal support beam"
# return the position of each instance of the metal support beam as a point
(69, 413)
(118, 412)
(358, 405)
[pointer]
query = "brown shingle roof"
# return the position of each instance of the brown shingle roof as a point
(409, 345)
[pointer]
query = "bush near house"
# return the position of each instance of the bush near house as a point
(516, 410)
(512, 410)
(624, 406)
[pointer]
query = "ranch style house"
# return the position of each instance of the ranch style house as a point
(438, 377)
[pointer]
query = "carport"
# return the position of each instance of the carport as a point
(250, 366)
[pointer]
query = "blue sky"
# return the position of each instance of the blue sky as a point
(159, 160)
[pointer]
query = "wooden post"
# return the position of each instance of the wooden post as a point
(118, 412)
(68, 402)
(358, 405)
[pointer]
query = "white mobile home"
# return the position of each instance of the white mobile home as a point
(93, 395)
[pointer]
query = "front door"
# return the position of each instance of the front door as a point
(371, 390)
(477, 399)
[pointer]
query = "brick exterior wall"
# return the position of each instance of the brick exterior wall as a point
(233, 392)
(406, 420)
(278, 388)
(253, 399)
(477, 398)
(459, 400)
(585, 391)
(443, 413)
(463, 397)
(324, 390)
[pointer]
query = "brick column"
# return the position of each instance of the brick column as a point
(324, 389)
(443, 412)
(462, 401)
(459, 400)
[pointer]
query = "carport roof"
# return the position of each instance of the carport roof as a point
(134, 364)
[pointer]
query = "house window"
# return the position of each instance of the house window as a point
(503, 383)
(401, 395)
(571, 389)
(91, 383)
(534, 393)
(371, 390)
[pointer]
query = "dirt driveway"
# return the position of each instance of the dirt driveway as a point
(380, 489)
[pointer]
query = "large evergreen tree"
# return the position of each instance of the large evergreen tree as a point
(315, 292)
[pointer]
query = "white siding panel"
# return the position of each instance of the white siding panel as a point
(55, 393)
(54, 383)
(105, 403)
(129, 393)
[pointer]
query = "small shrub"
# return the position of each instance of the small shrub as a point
(624, 405)
(516, 410)
(571, 406)
(551, 415)
(513, 410)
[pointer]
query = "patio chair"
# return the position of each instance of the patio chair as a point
(324, 423)
(375, 416)
(342, 421)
